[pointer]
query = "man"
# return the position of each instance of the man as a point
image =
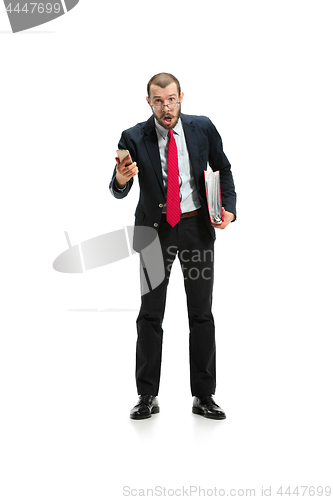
(169, 153)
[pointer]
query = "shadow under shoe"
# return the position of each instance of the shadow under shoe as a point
(146, 406)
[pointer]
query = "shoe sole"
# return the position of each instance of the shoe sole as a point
(143, 417)
(197, 411)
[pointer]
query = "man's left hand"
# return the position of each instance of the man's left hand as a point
(227, 218)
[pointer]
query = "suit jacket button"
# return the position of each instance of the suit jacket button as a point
(161, 205)
(155, 224)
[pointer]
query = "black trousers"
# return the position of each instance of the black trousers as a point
(191, 240)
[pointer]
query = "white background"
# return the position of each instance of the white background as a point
(261, 70)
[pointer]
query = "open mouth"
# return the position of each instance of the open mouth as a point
(167, 120)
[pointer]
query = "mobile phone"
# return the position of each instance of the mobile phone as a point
(122, 153)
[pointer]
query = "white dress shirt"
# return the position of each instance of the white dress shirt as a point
(189, 199)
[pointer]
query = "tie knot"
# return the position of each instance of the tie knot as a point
(171, 131)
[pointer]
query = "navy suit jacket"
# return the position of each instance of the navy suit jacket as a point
(204, 145)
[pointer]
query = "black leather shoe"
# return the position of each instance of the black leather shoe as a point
(207, 407)
(147, 405)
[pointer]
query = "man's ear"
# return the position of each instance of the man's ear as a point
(147, 99)
(181, 97)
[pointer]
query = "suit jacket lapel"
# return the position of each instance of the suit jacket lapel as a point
(151, 143)
(192, 145)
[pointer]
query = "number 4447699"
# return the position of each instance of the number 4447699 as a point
(39, 7)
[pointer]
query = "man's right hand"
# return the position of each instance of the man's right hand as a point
(125, 170)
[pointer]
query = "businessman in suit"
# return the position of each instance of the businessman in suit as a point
(169, 153)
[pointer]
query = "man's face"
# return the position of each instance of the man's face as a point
(168, 117)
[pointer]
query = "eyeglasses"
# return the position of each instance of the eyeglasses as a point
(158, 107)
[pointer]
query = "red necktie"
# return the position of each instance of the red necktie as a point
(173, 200)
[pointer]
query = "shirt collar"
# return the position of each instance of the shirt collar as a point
(164, 132)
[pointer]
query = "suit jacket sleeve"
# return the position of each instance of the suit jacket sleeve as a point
(123, 144)
(219, 161)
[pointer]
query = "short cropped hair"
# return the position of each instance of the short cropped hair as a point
(162, 80)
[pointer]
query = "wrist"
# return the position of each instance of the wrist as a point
(119, 184)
